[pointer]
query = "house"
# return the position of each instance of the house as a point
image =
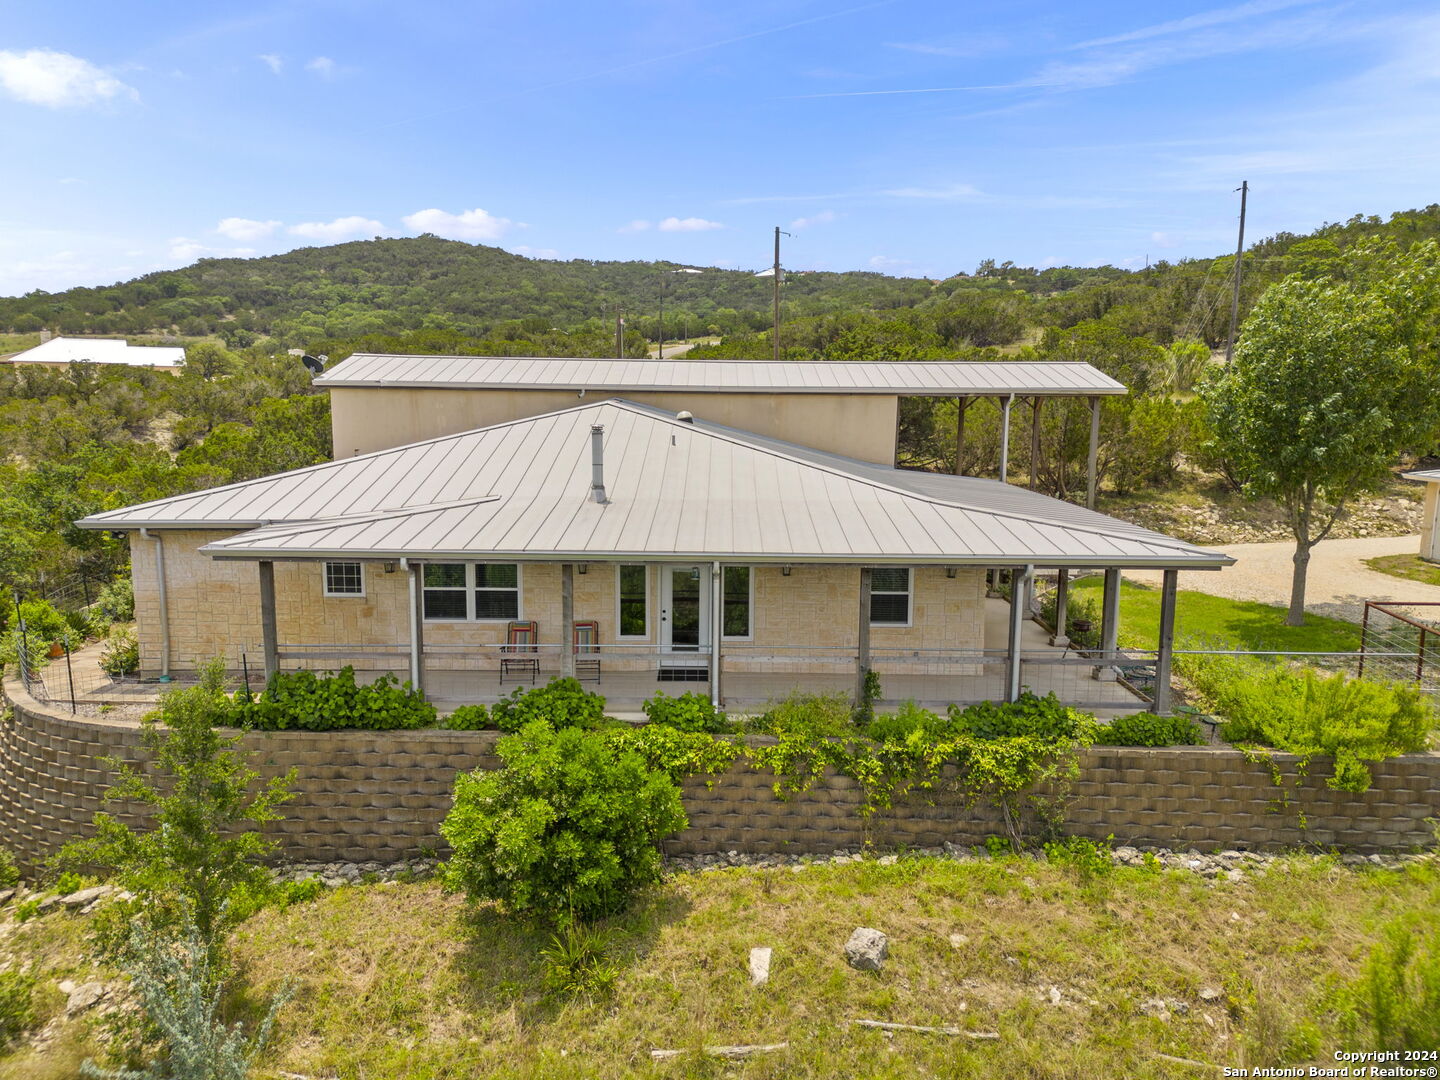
(1430, 514)
(688, 549)
(61, 352)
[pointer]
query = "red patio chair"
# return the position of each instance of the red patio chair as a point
(587, 650)
(520, 652)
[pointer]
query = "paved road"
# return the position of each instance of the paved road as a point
(1339, 581)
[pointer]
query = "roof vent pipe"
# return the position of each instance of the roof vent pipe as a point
(597, 463)
(685, 416)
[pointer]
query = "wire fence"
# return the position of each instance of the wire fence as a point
(1401, 642)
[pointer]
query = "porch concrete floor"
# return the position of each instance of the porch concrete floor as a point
(744, 691)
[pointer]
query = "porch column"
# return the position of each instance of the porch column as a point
(1005, 436)
(417, 628)
(1109, 625)
(1166, 646)
(1019, 587)
(567, 620)
(1035, 443)
(270, 642)
(717, 630)
(962, 406)
(1090, 455)
(862, 658)
(1061, 638)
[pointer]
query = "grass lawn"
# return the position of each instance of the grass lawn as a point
(404, 982)
(1409, 567)
(1215, 620)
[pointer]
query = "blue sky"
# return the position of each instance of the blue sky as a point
(907, 136)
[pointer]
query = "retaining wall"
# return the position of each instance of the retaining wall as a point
(381, 796)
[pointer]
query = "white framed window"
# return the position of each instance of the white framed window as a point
(344, 578)
(632, 600)
(737, 602)
(472, 592)
(890, 596)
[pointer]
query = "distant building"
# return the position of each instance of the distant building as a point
(61, 352)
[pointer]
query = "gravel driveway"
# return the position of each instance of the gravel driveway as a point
(1339, 581)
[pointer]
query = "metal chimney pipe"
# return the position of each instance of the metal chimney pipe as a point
(597, 463)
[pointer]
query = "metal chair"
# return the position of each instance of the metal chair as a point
(587, 650)
(520, 652)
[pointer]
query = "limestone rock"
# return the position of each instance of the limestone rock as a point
(81, 897)
(83, 997)
(867, 949)
(760, 966)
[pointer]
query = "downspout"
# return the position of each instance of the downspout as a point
(146, 534)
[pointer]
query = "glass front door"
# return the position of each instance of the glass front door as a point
(685, 612)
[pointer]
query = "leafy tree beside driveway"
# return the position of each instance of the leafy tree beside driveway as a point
(1331, 381)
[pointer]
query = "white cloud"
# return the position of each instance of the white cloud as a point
(342, 228)
(825, 217)
(1163, 240)
(323, 66)
(183, 249)
(689, 224)
(57, 79)
(952, 191)
(272, 61)
(1197, 21)
(884, 263)
(472, 225)
(535, 253)
(245, 230)
(638, 225)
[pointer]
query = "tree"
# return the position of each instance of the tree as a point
(204, 846)
(1331, 381)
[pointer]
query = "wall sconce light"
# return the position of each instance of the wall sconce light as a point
(694, 573)
(389, 567)
(950, 571)
(784, 571)
(582, 567)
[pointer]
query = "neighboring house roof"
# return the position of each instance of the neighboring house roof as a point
(676, 490)
(945, 378)
(70, 350)
(1428, 475)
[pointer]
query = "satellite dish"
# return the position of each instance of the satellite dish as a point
(315, 364)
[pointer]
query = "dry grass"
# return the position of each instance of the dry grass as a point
(404, 981)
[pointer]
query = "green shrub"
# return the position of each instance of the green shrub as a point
(117, 600)
(561, 703)
(1089, 858)
(567, 825)
(1303, 712)
(302, 700)
(908, 720)
(801, 714)
(1395, 1003)
(688, 712)
(44, 627)
(17, 1005)
(68, 882)
(121, 655)
(1029, 716)
(1147, 729)
(674, 752)
(468, 718)
(9, 872)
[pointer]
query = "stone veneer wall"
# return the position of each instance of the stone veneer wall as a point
(381, 796)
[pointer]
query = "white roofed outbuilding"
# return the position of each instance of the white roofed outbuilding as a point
(63, 351)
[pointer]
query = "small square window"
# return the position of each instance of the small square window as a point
(890, 596)
(344, 579)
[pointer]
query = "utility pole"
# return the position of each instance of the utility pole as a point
(1244, 190)
(661, 355)
(619, 333)
(775, 283)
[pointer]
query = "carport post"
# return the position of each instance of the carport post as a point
(862, 654)
(1035, 442)
(1161, 704)
(267, 620)
(1005, 436)
(962, 406)
(1109, 625)
(1020, 581)
(567, 620)
(1092, 453)
(417, 627)
(1061, 638)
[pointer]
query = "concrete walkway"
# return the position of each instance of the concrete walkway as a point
(1338, 585)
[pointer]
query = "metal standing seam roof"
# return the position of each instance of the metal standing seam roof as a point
(946, 378)
(521, 490)
(70, 350)
(1430, 476)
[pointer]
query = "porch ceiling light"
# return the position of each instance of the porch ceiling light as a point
(582, 567)
(694, 573)
(785, 571)
(950, 571)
